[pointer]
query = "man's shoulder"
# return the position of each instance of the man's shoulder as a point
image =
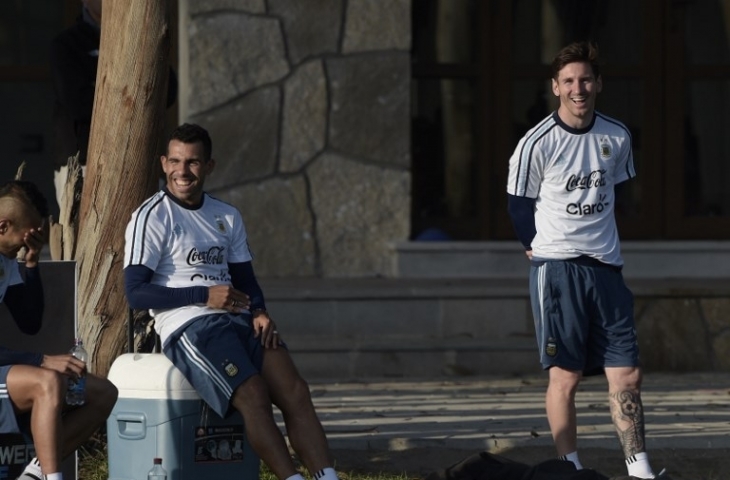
(216, 203)
(151, 205)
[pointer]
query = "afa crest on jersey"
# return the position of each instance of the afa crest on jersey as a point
(220, 224)
(605, 149)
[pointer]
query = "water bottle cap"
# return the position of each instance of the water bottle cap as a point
(158, 461)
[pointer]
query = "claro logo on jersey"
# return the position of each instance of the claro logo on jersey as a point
(594, 179)
(212, 256)
(588, 208)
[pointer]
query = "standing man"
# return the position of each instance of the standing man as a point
(32, 385)
(561, 184)
(187, 260)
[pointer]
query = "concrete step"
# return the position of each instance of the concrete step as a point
(500, 260)
(414, 328)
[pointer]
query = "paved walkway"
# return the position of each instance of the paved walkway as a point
(681, 411)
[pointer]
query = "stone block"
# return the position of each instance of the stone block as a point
(487, 318)
(279, 225)
(245, 134)
(231, 54)
(715, 312)
(312, 28)
(389, 318)
(370, 107)
(297, 318)
(673, 336)
(196, 7)
(359, 209)
(304, 128)
(377, 25)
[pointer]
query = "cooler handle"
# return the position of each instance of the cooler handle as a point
(131, 426)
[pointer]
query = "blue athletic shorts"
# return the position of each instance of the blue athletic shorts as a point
(584, 315)
(10, 421)
(216, 353)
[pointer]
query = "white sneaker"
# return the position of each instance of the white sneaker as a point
(32, 471)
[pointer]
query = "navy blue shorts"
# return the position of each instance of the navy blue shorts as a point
(584, 316)
(216, 353)
(10, 420)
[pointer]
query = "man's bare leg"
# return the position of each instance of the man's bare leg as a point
(560, 407)
(41, 392)
(627, 414)
(252, 400)
(290, 393)
(80, 423)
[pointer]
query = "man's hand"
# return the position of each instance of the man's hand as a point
(66, 364)
(34, 240)
(264, 327)
(226, 297)
(529, 254)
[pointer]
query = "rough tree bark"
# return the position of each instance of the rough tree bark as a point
(128, 118)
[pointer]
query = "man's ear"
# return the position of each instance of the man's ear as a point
(210, 165)
(4, 225)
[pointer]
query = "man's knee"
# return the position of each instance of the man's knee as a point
(252, 394)
(101, 393)
(48, 386)
(564, 381)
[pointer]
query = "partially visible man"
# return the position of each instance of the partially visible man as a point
(187, 260)
(33, 385)
(561, 184)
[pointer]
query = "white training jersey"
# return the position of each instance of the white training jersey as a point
(572, 173)
(9, 274)
(185, 248)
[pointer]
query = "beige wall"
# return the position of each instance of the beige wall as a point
(308, 106)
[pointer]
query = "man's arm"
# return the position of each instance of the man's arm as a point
(142, 294)
(14, 357)
(25, 302)
(522, 211)
(244, 279)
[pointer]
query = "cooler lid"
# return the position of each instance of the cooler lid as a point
(149, 375)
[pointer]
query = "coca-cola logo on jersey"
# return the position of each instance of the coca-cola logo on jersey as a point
(212, 256)
(583, 182)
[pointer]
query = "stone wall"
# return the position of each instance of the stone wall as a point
(307, 102)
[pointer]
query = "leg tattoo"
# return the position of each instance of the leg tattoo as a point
(627, 414)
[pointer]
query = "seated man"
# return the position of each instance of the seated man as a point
(187, 259)
(34, 385)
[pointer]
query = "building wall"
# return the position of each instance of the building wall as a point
(307, 102)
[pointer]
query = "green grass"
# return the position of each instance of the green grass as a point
(93, 465)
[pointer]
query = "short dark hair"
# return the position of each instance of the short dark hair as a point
(193, 133)
(577, 52)
(28, 193)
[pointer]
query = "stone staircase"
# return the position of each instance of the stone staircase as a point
(462, 308)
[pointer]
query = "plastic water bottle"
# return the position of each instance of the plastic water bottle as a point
(157, 472)
(76, 393)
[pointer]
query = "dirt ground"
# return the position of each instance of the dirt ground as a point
(681, 464)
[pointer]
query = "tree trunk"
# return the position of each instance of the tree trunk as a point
(128, 118)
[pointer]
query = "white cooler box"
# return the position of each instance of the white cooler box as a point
(158, 414)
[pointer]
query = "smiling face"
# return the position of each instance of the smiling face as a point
(577, 88)
(186, 167)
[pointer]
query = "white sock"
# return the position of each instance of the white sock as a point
(638, 466)
(296, 476)
(572, 457)
(326, 474)
(54, 476)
